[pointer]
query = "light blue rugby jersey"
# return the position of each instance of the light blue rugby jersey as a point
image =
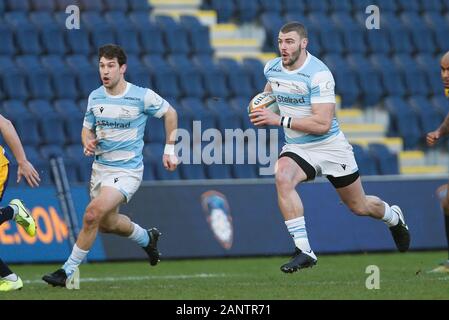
(296, 90)
(119, 123)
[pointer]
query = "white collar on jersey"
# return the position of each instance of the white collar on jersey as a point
(309, 56)
(128, 85)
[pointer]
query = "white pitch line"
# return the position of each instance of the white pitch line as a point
(139, 278)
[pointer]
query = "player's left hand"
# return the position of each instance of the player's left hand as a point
(264, 117)
(170, 162)
(27, 170)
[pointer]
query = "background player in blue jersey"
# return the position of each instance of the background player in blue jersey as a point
(16, 209)
(113, 132)
(432, 138)
(304, 90)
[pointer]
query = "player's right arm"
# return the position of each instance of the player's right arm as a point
(434, 136)
(89, 140)
(25, 168)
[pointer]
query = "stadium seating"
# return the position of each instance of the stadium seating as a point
(48, 71)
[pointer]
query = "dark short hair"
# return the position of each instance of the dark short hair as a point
(111, 51)
(295, 26)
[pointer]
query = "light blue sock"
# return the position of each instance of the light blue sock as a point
(140, 235)
(74, 260)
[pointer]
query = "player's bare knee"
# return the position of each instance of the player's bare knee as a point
(92, 216)
(358, 208)
(284, 180)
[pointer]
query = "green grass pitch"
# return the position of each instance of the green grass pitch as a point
(402, 276)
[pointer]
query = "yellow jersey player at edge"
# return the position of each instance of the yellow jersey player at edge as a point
(432, 138)
(16, 209)
(304, 90)
(113, 131)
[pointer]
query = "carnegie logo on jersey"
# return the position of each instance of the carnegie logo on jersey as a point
(218, 215)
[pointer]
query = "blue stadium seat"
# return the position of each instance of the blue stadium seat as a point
(7, 47)
(137, 72)
(289, 6)
(154, 130)
(225, 116)
(414, 78)
(368, 79)
(272, 23)
(398, 33)
(192, 171)
(14, 83)
(439, 103)
(200, 112)
(339, 6)
(73, 119)
(32, 154)
(218, 171)
(387, 5)
(213, 79)
(51, 34)
(61, 5)
(175, 37)
(351, 32)
(43, 5)
(254, 68)
(392, 81)
(364, 161)
(244, 171)
(431, 5)
(430, 66)
(403, 122)
(85, 169)
(189, 77)
(102, 35)
(39, 107)
(246, 10)
(198, 35)
(148, 172)
(15, 108)
(38, 80)
(428, 116)
(27, 128)
(118, 19)
(114, 5)
(49, 151)
(331, 41)
(419, 33)
(63, 81)
(406, 5)
(225, 10)
(346, 83)
(92, 5)
(27, 39)
(237, 79)
(270, 6)
(17, 5)
(140, 6)
(317, 6)
(150, 35)
(440, 29)
(386, 161)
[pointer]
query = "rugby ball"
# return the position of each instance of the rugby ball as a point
(264, 100)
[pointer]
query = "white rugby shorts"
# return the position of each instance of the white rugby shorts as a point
(331, 157)
(127, 181)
